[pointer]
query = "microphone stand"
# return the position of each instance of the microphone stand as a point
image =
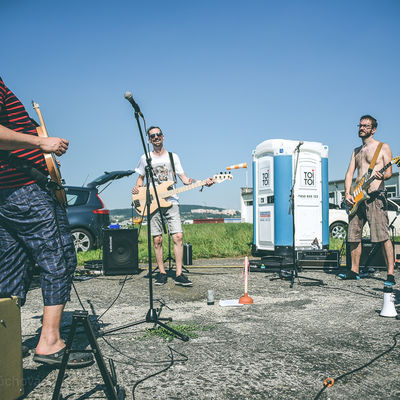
(294, 273)
(153, 315)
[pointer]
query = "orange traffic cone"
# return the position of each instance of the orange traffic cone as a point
(246, 299)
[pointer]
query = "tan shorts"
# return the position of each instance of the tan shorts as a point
(172, 218)
(374, 211)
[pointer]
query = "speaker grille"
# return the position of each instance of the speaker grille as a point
(120, 251)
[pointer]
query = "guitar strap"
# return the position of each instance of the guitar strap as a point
(41, 179)
(374, 158)
(171, 159)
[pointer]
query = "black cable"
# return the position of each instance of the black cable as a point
(77, 295)
(351, 291)
(330, 381)
(113, 302)
(171, 355)
(55, 205)
(135, 359)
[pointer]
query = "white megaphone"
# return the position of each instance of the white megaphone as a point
(388, 309)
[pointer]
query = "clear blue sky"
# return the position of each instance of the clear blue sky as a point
(218, 76)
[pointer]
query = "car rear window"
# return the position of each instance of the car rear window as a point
(76, 197)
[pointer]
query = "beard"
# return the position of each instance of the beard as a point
(366, 135)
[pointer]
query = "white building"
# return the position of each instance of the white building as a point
(246, 204)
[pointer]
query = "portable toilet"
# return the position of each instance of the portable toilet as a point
(274, 173)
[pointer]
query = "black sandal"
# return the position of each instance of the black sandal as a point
(76, 359)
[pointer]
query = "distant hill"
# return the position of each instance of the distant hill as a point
(121, 214)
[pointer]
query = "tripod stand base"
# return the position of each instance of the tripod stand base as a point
(113, 392)
(153, 317)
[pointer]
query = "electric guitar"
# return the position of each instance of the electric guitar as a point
(51, 162)
(360, 191)
(139, 200)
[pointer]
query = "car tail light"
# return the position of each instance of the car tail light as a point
(101, 210)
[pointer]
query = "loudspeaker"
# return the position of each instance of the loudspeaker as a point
(371, 255)
(11, 377)
(120, 251)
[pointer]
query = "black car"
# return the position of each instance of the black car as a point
(86, 212)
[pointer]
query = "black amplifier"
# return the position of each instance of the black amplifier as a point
(318, 259)
(371, 255)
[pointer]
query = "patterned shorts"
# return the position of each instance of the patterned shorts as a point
(172, 218)
(34, 229)
(374, 211)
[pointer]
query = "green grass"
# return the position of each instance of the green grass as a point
(189, 329)
(207, 240)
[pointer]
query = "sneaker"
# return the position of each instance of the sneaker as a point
(348, 275)
(390, 280)
(161, 279)
(182, 280)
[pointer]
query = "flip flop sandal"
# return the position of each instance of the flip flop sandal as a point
(75, 359)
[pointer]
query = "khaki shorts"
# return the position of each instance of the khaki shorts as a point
(172, 218)
(374, 211)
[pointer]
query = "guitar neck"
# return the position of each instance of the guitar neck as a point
(41, 120)
(183, 188)
(370, 180)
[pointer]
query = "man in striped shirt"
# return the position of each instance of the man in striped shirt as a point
(33, 226)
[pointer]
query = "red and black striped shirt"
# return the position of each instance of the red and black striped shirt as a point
(14, 116)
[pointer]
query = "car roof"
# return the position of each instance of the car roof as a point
(109, 176)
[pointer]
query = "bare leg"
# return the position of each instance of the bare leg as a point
(387, 249)
(178, 250)
(50, 341)
(158, 250)
(355, 249)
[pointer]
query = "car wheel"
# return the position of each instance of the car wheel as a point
(83, 240)
(338, 230)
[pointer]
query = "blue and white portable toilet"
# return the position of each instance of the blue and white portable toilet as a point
(274, 163)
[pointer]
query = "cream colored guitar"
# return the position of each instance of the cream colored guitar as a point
(139, 200)
(360, 191)
(51, 162)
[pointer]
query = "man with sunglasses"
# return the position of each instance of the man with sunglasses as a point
(373, 210)
(165, 170)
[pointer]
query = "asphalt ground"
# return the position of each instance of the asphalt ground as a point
(281, 347)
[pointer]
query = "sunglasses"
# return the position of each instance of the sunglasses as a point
(364, 126)
(153, 135)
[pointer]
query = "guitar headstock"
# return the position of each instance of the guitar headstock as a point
(396, 161)
(222, 176)
(34, 104)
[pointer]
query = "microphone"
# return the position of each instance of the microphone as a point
(129, 97)
(236, 166)
(298, 146)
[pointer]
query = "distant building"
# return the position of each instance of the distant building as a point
(212, 211)
(246, 204)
